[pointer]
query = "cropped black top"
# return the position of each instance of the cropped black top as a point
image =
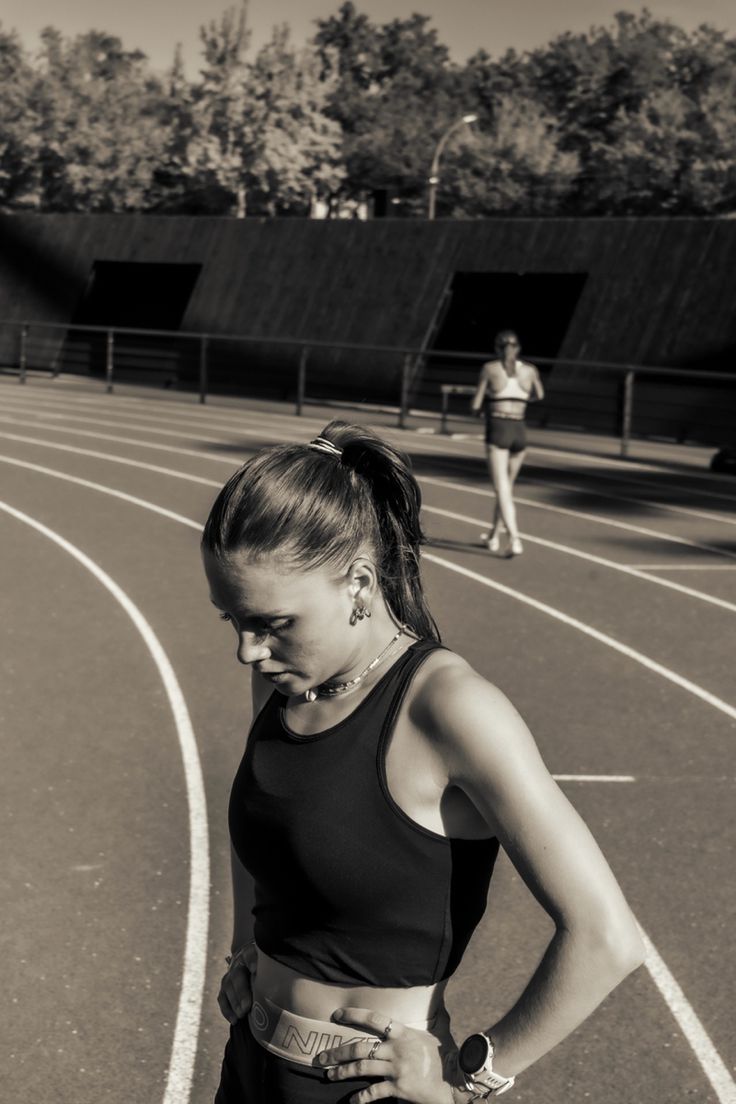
(349, 889)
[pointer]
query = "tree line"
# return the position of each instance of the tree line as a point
(635, 118)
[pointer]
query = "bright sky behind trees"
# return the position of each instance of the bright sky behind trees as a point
(155, 26)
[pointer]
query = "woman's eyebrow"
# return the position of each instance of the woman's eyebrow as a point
(276, 616)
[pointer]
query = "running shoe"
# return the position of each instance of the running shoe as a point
(492, 541)
(516, 547)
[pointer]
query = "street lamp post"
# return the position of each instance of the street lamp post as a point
(434, 170)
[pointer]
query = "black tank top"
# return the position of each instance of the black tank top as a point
(348, 889)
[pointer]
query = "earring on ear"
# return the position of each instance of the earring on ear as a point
(359, 612)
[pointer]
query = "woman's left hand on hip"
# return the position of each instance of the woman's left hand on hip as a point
(408, 1060)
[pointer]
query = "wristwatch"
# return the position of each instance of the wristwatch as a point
(476, 1065)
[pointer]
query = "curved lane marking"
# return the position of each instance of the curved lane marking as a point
(258, 433)
(687, 1019)
(118, 459)
(568, 512)
(684, 1014)
(142, 502)
(625, 569)
(277, 420)
(670, 507)
(51, 424)
(581, 626)
(188, 1016)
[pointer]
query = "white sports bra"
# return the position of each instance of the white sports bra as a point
(512, 389)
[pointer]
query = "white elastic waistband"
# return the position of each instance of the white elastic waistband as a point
(297, 1038)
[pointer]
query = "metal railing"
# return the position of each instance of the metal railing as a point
(192, 358)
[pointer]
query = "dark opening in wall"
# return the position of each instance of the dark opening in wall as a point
(538, 305)
(476, 305)
(136, 294)
(132, 295)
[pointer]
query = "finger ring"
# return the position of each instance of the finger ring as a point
(374, 1048)
(387, 1029)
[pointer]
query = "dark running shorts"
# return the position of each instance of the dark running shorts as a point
(252, 1075)
(506, 433)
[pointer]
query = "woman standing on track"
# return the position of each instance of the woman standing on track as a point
(380, 776)
(505, 386)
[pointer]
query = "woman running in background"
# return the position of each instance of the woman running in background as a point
(505, 386)
(380, 776)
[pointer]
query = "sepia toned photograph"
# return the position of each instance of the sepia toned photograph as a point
(368, 573)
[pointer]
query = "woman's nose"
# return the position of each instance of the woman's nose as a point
(251, 648)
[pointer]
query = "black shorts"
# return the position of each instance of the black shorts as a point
(252, 1075)
(506, 433)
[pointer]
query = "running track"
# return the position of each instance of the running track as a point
(123, 715)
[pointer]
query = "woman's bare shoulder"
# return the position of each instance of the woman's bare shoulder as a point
(449, 695)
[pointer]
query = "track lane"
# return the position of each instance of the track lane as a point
(520, 630)
(726, 544)
(97, 836)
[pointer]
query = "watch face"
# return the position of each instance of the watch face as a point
(473, 1054)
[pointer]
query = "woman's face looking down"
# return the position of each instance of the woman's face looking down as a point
(292, 625)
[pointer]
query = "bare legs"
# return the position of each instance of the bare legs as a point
(503, 468)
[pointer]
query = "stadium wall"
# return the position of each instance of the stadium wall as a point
(656, 292)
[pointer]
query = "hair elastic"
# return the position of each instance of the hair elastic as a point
(323, 445)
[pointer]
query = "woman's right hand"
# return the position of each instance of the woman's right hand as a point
(236, 993)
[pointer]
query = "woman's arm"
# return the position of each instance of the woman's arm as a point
(537, 385)
(476, 403)
(492, 757)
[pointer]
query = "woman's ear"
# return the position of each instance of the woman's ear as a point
(363, 579)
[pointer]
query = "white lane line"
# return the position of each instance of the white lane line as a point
(436, 481)
(713, 1066)
(696, 1035)
(122, 459)
(632, 653)
(620, 476)
(684, 567)
(701, 595)
(142, 502)
(186, 420)
(267, 421)
(625, 569)
(569, 512)
(277, 420)
(199, 453)
(189, 1011)
(668, 506)
(594, 777)
(408, 436)
(690, 1025)
(581, 626)
(616, 464)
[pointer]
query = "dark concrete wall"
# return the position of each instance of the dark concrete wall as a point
(658, 292)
